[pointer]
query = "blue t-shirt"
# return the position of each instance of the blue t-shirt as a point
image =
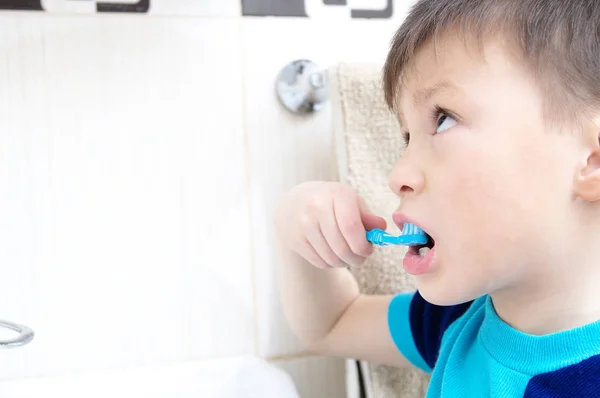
(471, 352)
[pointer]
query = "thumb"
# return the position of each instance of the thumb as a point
(370, 220)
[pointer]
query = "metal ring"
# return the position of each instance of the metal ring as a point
(25, 335)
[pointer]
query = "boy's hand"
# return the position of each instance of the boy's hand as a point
(326, 223)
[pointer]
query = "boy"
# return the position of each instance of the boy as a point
(499, 101)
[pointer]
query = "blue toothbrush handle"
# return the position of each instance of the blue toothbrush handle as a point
(380, 237)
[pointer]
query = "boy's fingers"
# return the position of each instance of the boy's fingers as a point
(319, 243)
(336, 240)
(370, 220)
(310, 254)
(348, 218)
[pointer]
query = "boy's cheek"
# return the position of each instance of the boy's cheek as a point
(460, 200)
(472, 196)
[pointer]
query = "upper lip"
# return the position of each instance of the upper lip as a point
(400, 219)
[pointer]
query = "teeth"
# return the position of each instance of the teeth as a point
(423, 251)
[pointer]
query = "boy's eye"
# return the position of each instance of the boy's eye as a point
(445, 122)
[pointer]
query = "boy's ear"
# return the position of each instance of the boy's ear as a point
(587, 184)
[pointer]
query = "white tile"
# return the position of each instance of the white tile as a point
(69, 6)
(317, 377)
(285, 148)
(123, 203)
(227, 8)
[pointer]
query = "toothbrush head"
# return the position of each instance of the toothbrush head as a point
(411, 236)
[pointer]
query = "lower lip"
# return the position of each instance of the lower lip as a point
(417, 265)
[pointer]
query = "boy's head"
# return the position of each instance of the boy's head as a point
(500, 103)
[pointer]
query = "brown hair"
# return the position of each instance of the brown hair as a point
(557, 40)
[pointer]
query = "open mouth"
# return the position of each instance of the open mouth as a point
(422, 250)
(419, 259)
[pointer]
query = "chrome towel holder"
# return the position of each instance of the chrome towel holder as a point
(302, 87)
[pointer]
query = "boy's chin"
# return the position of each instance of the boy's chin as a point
(443, 294)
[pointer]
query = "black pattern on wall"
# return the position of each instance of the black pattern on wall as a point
(277, 8)
(142, 6)
(297, 8)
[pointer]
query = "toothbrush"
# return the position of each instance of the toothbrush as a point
(411, 236)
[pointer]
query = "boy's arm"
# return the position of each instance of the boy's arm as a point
(328, 313)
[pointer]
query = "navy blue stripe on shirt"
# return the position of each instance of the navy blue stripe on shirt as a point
(428, 322)
(578, 380)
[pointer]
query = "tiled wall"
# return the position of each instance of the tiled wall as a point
(141, 155)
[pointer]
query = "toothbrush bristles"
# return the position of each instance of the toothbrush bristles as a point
(411, 229)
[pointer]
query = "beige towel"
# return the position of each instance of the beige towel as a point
(367, 145)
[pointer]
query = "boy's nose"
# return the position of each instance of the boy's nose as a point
(405, 180)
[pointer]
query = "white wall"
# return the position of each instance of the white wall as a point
(140, 160)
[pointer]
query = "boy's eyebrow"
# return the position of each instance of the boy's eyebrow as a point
(425, 94)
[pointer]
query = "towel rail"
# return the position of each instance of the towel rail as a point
(24, 337)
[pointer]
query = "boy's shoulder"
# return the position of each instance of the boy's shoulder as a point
(468, 340)
(419, 328)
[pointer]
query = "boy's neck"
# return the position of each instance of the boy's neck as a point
(554, 301)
